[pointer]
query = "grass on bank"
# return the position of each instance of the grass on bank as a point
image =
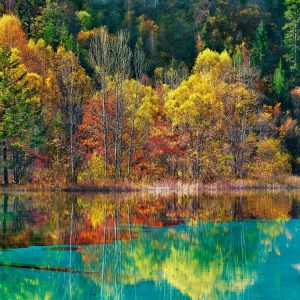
(288, 182)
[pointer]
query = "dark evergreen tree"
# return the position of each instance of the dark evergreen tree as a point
(260, 46)
(292, 34)
(279, 81)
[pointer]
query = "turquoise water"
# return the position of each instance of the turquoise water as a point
(150, 247)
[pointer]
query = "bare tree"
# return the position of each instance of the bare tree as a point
(139, 67)
(102, 60)
(122, 60)
(111, 58)
(244, 71)
(74, 90)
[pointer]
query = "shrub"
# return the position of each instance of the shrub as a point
(270, 162)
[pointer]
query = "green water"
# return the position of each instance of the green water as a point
(150, 246)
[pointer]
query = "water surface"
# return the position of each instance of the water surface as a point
(234, 245)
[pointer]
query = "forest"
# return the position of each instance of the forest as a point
(95, 91)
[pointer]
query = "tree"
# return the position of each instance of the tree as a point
(11, 32)
(216, 65)
(139, 66)
(121, 69)
(279, 81)
(140, 104)
(195, 109)
(101, 59)
(85, 20)
(245, 71)
(74, 89)
(239, 117)
(270, 162)
(173, 75)
(292, 36)
(217, 116)
(20, 113)
(148, 31)
(260, 46)
(27, 11)
(111, 58)
(52, 24)
(8, 5)
(295, 93)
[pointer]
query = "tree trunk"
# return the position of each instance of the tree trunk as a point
(118, 129)
(130, 148)
(105, 129)
(5, 169)
(16, 167)
(73, 144)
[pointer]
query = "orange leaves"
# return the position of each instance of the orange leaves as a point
(288, 126)
(296, 92)
(13, 36)
(85, 36)
(91, 128)
(11, 32)
(147, 25)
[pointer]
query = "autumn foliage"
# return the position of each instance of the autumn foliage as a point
(111, 121)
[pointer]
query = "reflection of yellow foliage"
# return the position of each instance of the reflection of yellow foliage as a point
(187, 275)
(238, 283)
(97, 208)
(200, 260)
(199, 280)
(271, 230)
(145, 265)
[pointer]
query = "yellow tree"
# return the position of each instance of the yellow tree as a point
(11, 32)
(239, 117)
(240, 108)
(194, 108)
(141, 103)
(214, 64)
(270, 162)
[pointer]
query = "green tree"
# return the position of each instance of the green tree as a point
(260, 46)
(279, 81)
(292, 34)
(52, 24)
(49, 33)
(20, 113)
(27, 10)
(85, 19)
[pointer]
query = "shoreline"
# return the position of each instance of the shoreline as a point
(292, 183)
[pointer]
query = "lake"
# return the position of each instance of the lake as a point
(213, 245)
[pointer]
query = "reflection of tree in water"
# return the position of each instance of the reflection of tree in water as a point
(210, 260)
(295, 208)
(21, 213)
(48, 215)
(237, 208)
(14, 215)
(197, 257)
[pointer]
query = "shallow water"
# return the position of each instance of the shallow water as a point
(234, 245)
